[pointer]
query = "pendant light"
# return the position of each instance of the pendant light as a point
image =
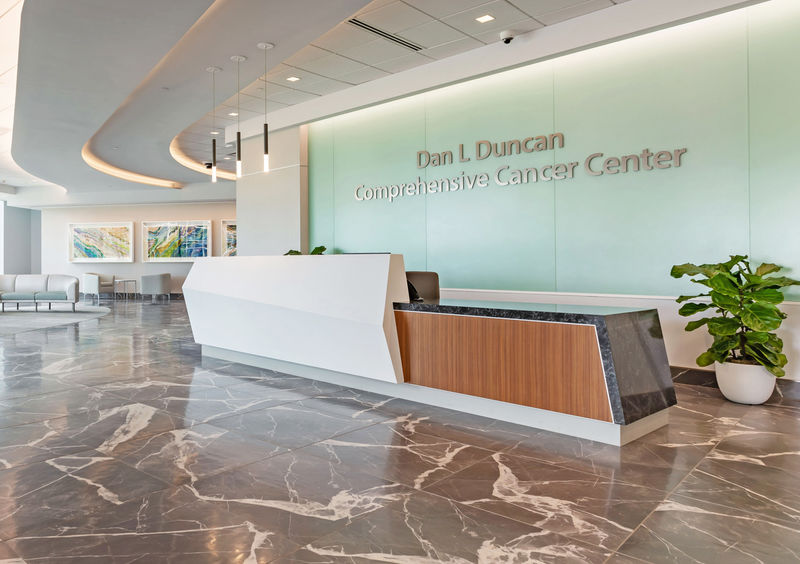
(213, 71)
(238, 59)
(265, 47)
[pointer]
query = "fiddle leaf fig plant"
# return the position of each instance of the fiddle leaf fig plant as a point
(315, 251)
(745, 301)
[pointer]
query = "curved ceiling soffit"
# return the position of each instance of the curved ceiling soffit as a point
(178, 89)
(179, 155)
(78, 62)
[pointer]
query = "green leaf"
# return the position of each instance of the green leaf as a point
(292, 253)
(689, 269)
(776, 371)
(734, 260)
(720, 326)
(318, 250)
(778, 282)
(692, 308)
(682, 299)
(767, 295)
(757, 337)
(723, 284)
(723, 345)
(767, 268)
(728, 303)
(763, 355)
(775, 342)
(706, 359)
(692, 325)
(752, 280)
(761, 317)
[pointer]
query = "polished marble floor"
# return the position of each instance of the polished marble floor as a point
(119, 444)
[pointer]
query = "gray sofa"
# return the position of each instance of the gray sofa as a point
(37, 289)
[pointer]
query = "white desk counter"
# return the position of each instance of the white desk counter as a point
(331, 311)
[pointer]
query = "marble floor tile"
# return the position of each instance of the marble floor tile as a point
(34, 442)
(682, 529)
(585, 507)
(301, 495)
(187, 455)
(68, 490)
(766, 493)
(165, 526)
(414, 459)
(770, 449)
(201, 402)
(776, 419)
(291, 425)
(20, 411)
(107, 428)
(425, 528)
(8, 556)
(31, 385)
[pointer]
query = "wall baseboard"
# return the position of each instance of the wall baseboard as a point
(682, 347)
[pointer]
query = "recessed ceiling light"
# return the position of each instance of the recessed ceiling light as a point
(229, 144)
(215, 133)
(234, 114)
(226, 158)
(293, 79)
(485, 18)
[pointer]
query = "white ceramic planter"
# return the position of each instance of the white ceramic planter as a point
(745, 383)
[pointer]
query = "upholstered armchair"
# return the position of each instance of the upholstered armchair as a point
(94, 284)
(156, 285)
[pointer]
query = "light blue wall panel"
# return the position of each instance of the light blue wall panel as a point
(321, 210)
(774, 134)
(495, 237)
(374, 147)
(681, 87)
(724, 88)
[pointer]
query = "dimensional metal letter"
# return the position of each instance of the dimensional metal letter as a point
(587, 164)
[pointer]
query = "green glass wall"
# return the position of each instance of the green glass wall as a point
(726, 88)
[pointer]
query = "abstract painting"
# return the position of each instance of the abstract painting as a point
(176, 241)
(229, 233)
(101, 242)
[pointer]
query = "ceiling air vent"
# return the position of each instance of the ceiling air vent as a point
(386, 35)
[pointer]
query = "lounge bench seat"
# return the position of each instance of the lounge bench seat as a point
(37, 289)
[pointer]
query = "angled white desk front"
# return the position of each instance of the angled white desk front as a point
(331, 311)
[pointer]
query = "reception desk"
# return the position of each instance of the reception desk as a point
(591, 372)
(601, 363)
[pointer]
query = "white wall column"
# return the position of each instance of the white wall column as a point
(272, 207)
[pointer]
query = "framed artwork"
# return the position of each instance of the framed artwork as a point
(101, 242)
(176, 241)
(229, 235)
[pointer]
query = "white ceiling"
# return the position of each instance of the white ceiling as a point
(88, 72)
(136, 78)
(11, 175)
(348, 55)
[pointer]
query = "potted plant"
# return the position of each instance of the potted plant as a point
(315, 251)
(748, 355)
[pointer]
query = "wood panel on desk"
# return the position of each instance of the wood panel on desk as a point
(553, 366)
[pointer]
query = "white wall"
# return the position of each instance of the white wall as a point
(16, 241)
(36, 242)
(55, 240)
(272, 208)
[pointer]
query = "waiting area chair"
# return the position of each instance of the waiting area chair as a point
(94, 284)
(156, 285)
(426, 283)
